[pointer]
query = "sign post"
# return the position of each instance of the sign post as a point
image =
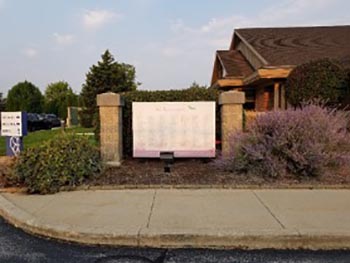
(14, 127)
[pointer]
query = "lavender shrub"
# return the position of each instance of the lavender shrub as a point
(301, 142)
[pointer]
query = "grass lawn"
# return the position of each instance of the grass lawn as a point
(36, 138)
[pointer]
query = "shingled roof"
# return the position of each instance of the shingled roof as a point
(297, 45)
(234, 63)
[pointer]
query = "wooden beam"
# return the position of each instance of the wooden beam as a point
(251, 78)
(237, 82)
(275, 73)
(264, 73)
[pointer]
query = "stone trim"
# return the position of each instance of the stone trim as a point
(109, 99)
(232, 97)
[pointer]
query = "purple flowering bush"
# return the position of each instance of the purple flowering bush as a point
(300, 142)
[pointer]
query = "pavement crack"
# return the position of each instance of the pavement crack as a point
(269, 210)
(151, 210)
(139, 236)
(39, 209)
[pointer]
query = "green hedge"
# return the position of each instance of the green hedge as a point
(191, 94)
(66, 160)
(324, 79)
(346, 100)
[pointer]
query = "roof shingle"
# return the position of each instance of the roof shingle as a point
(234, 63)
(297, 45)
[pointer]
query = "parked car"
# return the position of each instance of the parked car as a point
(53, 120)
(42, 121)
(34, 123)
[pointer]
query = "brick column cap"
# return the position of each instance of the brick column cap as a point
(109, 99)
(232, 97)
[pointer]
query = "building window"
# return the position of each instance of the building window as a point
(249, 99)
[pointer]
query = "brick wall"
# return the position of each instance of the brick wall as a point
(264, 99)
(259, 99)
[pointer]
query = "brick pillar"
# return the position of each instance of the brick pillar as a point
(110, 106)
(231, 117)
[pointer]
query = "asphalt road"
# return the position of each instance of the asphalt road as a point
(17, 246)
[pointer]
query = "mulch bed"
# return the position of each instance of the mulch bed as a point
(190, 172)
(200, 172)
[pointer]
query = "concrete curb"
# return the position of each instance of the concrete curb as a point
(194, 186)
(248, 241)
(284, 239)
(30, 224)
(187, 186)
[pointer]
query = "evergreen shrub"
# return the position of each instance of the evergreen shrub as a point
(66, 160)
(320, 79)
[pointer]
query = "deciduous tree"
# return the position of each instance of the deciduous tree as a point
(58, 96)
(2, 103)
(24, 96)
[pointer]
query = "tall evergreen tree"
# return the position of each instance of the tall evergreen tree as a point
(107, 75)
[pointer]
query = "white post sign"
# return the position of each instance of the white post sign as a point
(13, 127)
(185, 128)
(12, 124)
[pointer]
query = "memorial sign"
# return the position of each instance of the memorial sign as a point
(185, 128)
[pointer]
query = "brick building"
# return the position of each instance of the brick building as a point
(260, 59)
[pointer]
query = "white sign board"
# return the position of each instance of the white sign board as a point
(11, 124)
(185, 128)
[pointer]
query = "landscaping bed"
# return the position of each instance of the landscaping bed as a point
(202, 172)
(191, 173)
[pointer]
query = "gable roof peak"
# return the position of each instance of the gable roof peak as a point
(292, 27)
(297, 45)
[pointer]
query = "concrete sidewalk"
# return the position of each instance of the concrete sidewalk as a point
(311, 219)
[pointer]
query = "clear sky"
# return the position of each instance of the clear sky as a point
(170, 42)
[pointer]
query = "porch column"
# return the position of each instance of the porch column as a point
(283, 97)
(276, 96)
(231, 117)
(110, 107)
